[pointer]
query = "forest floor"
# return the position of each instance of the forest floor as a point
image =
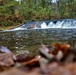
(58, 61)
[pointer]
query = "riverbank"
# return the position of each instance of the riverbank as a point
(8, 27)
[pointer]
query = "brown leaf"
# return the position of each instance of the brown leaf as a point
(23, 58)
(29, 61)
(13, 71)
(6, 59)
(62, 47)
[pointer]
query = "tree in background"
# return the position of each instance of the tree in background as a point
(13, 12)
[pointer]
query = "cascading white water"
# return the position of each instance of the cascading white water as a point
(60, 24)
(55, 25)
(69, 24)
(65, 23)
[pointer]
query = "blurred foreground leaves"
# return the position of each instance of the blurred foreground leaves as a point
(56, 59)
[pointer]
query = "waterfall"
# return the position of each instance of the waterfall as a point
(63, 24)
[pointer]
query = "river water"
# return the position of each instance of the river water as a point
(30, 39)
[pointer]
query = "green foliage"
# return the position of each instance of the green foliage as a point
(14, 13)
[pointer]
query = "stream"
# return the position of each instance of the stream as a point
(22, 39)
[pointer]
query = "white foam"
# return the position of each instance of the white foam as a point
(55, 25)
(44, 25)
(19, 28)
(58, 24)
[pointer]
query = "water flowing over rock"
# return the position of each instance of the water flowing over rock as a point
(66, 23)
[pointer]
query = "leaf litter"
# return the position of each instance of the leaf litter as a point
(58, 59)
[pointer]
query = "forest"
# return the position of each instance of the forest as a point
(13, 12)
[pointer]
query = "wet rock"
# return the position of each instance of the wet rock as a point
(31, 26)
